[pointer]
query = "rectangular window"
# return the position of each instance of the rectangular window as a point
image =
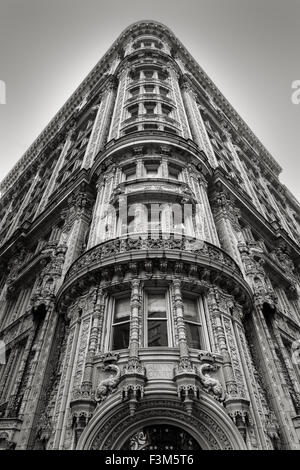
(152, 168)
(130, 172)
(149, 88)
(150, 107)
(133, 110)
(166, 110)
(157, 326)
(192, 322)
(174, 172)
(148, 73)
(163, 91)
(135, 91)
(17, 355)
(150, 127)
(121, 323)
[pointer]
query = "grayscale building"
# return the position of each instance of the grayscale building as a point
(149, 268)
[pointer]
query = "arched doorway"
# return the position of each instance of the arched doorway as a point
(160, 423)
(161, 437)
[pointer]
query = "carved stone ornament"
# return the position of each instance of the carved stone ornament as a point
(210, 384)
(108, 385)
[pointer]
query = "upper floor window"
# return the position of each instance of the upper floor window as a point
(151, 168)
(130, 172)
(163, 91)
(174, 172)
(135, 91)
(150, 127)
(121, 322)
(192, 322)
(157, 328)
(166, 110)
(133, 110)
(147, 43)
(157, 319)
(150, 107)
(149, 88)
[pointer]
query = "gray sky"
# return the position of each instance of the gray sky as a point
(249, 48)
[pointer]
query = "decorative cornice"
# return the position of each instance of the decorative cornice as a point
(99, 71)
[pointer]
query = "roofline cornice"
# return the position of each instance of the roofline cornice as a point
(66, 111)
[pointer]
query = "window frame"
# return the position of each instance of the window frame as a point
(168, 319)
(201, 306)
(110, 309)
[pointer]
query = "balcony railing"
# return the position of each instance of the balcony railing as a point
(161, 241)
(150, 117)
(150, 96)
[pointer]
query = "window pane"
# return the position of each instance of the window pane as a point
(121, 336)
(134, 91)
(149, 88)
(122, 309)
(157, 333)
(148, 73)
(193, 335)
(190, 309)
(157, 305)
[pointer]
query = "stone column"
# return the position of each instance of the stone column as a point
(36, 379)
(267, 365)
(199, 133)
(104, 214)
(59, 164)
(290, 376)
(66, 383)
(119, 109)
(205, 224)
(15, 398)
(221, 344)
(23, 205)
(140, 169)
(134, 337)
(185, 361)
(102, 122)
(7, 212)
(78, 215)
(95, 225)
(94, 340)
(180, 108)
(164, 170)
(226, 219)
(232, 149)
(252, 386)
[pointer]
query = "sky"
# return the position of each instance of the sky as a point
(249, 48)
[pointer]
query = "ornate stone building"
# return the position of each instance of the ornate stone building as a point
(149, 268)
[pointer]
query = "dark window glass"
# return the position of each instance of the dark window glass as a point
(192, 323)
(157, 320)
(121, 323)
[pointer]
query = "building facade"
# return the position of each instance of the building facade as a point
(149, 269)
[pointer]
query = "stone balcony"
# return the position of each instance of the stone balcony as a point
(154, 185)
(169, 255)
(158, 118)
